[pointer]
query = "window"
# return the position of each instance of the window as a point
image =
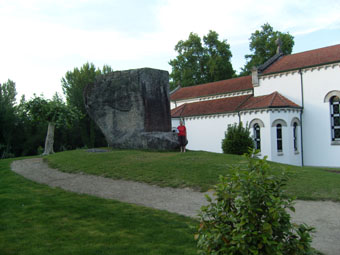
(256, 125)
(335, 117)
(295, 136)
(295, 123)
(278, 125)
(279, 137)
(257, 137)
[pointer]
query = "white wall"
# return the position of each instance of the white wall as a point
(317, 82)
(288, 155)
(206, 132)
(287, 84)
(268, 134)
(247, 117)
(318, 150)
(174, 123)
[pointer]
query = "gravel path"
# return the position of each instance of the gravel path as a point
(325, 216)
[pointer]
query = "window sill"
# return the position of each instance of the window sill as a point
(335, 142)
(280, 153)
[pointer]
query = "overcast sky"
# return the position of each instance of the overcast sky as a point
(40, 40)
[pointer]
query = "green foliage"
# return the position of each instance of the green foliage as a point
(8, 118)
(19, 135)
(237, 140)
(8, 93)
(74, 83)
(249, 215)
(55, 111)
(263, 46)
(40, 150)
(85, 132)
(23, 126)
(32, 133)
(197, 63)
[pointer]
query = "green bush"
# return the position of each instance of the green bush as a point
(249, 215)
(40, 150)
(237, 140)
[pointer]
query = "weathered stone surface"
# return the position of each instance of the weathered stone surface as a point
(132, 109)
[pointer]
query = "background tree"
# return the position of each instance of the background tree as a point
(85, 132)
(262, 45)
(19, 135)
(7, 118)
(199, 63)
(218, 65)
(30, 136)
(55, 112)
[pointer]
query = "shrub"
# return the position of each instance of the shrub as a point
(5, 152)
(237, 140)
(40, 150)
(249, 215)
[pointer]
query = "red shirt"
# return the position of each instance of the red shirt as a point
(182, 131)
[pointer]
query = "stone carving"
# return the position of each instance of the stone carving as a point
(132, 109)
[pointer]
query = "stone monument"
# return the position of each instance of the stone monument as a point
(132, 109)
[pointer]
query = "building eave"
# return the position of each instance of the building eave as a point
(299, 68)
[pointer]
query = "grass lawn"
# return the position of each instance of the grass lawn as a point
(38, 220)
(196, 169)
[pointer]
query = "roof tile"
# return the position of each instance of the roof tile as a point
(224, 105)
(213, 88)
(273, 100)
(305, 59)
(232, 104)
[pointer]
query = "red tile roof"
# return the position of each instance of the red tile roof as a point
(232, 104)
(306, 59)
(213, 88)
(273, 100)
(178, 111)
(224, 105)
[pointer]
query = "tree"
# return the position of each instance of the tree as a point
(237, 140)
(7, 117)
(197, 63)
(73, 85)
(106, 69)
(30, 134)
(55, 112)
(219, 66)
(249, 215)
(263, 47)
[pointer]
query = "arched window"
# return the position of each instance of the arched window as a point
(279, 137)
(295, 142)
(335, 117)
(295, 123)
(257, 124)
(257, 137)
(278, 124)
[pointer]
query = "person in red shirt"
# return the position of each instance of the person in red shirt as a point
(182, 136)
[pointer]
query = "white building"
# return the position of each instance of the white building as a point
(290, 103)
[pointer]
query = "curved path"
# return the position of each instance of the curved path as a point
(324, 216)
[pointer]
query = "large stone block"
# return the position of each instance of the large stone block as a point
(132, 108)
